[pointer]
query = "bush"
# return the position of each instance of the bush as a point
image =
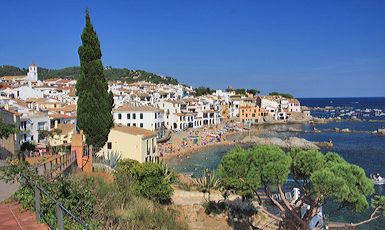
(27, 146)
(148, 180)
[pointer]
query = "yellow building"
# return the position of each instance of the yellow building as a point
(65, 136)
(225, 111)
(133, 143)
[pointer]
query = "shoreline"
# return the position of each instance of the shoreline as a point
(180, 144)
(194, 147)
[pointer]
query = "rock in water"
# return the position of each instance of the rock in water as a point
(345, 130)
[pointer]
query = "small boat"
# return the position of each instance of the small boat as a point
(237, 129)
(212, 134)
(379, 182)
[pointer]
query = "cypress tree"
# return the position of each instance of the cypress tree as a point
(94, 101)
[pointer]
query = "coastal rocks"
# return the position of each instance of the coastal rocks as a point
(345, 130)
(291, 129)
(317, 120)
(292, 142)
(381, 131)
(297, 117)
(326, 145)
(305, 108)
(295, 142)
(268, 119)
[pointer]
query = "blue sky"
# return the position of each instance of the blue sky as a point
(306, 48)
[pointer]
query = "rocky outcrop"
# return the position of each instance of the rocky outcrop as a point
(292, 142)
(345, 130)
(380, 131)
(325, 145)
(298, 117)
(318, 120)
(268, 119)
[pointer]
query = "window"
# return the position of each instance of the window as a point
(128, 116)
(134, 116)
(156, 115)
(32, 138)
(109, 145)
(119, 116)
(253, 114)
(141, 125)
(40, 125)
(141, 115)
(133, 124)
(128, 124)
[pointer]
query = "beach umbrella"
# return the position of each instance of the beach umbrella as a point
(218, 139)
(170, 141)
(195, 140)
(184, 139)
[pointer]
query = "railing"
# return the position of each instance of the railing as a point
(56, 165)
(59, 207)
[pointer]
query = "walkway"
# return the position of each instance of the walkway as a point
(12, 219)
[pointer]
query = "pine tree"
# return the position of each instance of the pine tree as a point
(94, 101)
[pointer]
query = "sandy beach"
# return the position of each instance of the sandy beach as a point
(182, 142)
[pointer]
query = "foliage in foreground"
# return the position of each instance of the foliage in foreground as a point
(73, 194)
(94, 201)
(147, 179)
(319, 177)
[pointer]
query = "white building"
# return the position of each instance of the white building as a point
(143, 117)
(31, 75)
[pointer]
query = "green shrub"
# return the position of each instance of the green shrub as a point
(148, 180)
(27, 146)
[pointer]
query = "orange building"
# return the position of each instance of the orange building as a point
(251, 113)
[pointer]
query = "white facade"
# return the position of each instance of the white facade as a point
(142, 117)
(30, 123)
(27, 91)
(32, 73)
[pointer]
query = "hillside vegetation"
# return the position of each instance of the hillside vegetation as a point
(112, 74)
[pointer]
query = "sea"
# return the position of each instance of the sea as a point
(366, 150)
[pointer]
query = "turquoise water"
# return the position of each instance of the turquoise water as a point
(363, 149)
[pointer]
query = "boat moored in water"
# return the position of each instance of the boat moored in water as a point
(378, 182)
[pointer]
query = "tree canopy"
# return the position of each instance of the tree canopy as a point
(203, 91)
(95, 102)
(7, 129)
(112, 74)
(285, 95)
(319, 177)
